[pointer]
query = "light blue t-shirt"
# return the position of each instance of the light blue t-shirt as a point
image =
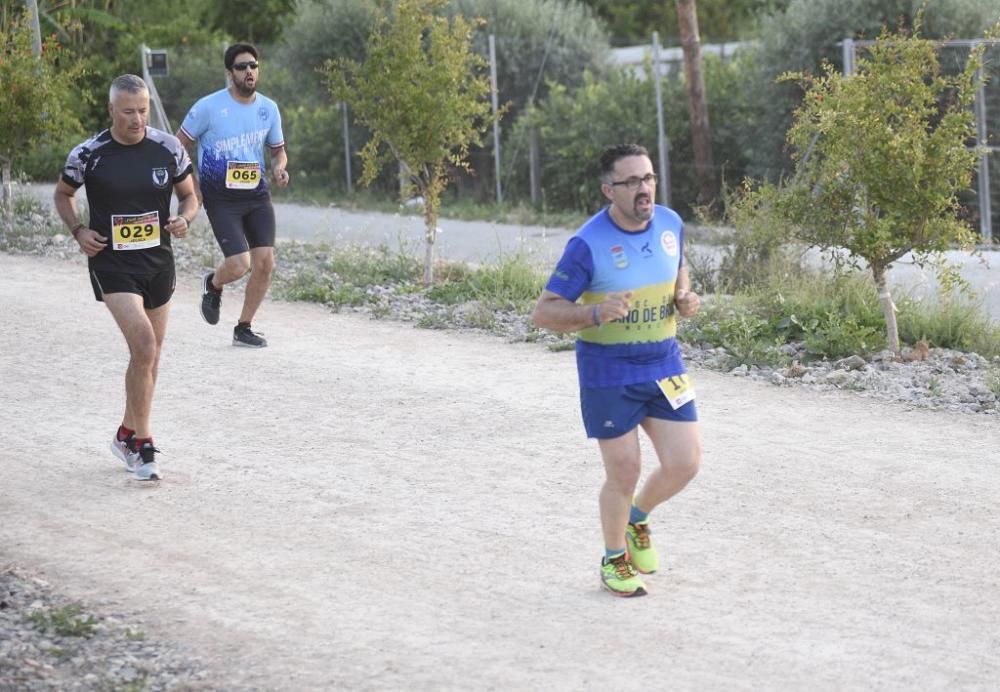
(231, 138)
(602, 258)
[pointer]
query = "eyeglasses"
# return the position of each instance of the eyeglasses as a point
(240, 66)
(634, 182)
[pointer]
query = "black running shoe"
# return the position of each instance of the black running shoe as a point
(211, 299)
(243, 336)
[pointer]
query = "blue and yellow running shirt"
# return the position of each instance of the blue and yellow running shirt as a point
(601, 258)
(231, 138)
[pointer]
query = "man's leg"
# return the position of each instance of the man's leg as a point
(262, 269)
(622, 466)
(232, 268)
(678, 447)
(143, 331)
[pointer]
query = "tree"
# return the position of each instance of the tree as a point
(701, 132)
(724, 20)
(880, 158)
(34, 100)
(807, 32)
(261, 21)
(422, 93)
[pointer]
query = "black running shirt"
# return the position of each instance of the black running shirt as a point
(128, 189)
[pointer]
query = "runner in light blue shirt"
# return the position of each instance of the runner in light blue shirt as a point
(232, 128)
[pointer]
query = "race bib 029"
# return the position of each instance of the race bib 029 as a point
(242, 175)
(135, 231)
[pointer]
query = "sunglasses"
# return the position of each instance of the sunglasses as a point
(240, 66)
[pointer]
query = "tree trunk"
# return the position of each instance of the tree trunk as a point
(430, 221)
(888, 309)
(701, 133)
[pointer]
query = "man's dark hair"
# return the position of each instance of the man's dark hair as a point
(236, 49)
(611, 155)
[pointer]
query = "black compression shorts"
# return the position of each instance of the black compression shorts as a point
(239, 226)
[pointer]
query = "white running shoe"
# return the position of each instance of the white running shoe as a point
(145, 468)
(122, 449)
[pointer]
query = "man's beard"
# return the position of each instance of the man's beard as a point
(639, 213)
(243, 90)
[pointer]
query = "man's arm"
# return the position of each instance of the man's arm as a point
(560, 315)
(186, 142)
(187, 208)
(90, 241)
(279, 162)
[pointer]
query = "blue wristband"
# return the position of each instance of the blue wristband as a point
(596, 314)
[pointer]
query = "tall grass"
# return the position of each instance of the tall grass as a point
(512, 284)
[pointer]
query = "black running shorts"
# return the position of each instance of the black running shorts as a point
(155, 289)
(239, 226)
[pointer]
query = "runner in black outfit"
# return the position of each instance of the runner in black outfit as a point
(130, 171)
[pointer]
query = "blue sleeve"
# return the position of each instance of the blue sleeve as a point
(196, 121)
(574, 271)
(275, 137)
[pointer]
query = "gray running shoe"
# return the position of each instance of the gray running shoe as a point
(211, 299)
(122, 449)
(145, 468)
(243, 336)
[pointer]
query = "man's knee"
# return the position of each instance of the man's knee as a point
(144, 351)
(238, 264)
(624, 474)
(263, 263)
(689, 463)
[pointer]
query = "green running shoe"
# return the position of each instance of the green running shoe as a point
(619, 577)
(640, 548)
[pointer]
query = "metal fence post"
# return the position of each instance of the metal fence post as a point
(848, 48)
(347, 151)
(535, 166)
(985, 211)
(496, 123)
(661, 141)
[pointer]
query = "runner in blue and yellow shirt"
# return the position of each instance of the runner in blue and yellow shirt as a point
(620, 284)
(232, 127)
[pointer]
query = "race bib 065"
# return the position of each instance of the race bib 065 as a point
(242, 175)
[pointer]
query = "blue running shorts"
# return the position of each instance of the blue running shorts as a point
(613, 411)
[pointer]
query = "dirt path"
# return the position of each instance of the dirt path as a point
(365, 505)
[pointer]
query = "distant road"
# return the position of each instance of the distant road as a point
(465, 241)
(482, 241)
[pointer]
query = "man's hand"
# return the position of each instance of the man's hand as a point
(280, 176)
(90, 241)
(687, 302)
(177, 226)
(614, 307)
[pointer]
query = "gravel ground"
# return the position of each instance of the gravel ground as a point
(48, 642)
